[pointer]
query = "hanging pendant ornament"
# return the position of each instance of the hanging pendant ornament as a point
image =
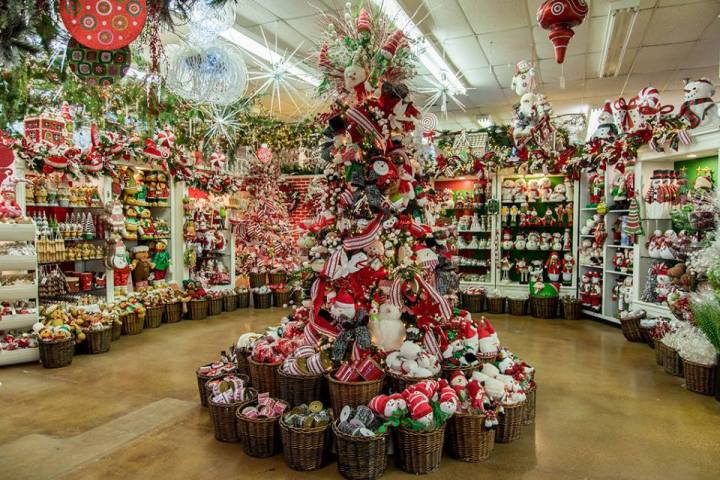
(97, 67)
(560, 16)
(104, 24)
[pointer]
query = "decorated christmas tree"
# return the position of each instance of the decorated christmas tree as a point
(265, 236)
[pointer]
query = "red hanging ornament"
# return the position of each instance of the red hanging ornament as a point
(104, 24)
(560, 16)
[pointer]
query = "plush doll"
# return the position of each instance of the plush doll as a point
(119, 261)
(160, 261)
(386, 328)
(553, 267)
(141, 266)
(567, 267)
(388, 405)
(698, 107)
(606, 129)
(419, 407)
(524, 79)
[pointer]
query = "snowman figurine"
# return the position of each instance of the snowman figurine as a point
(698, 107)
(524, 79)
(606, 129)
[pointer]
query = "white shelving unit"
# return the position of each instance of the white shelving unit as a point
(16, 264)
(706, 143)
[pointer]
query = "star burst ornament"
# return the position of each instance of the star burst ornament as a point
(277, 77)
(442, 91)
(222, 121)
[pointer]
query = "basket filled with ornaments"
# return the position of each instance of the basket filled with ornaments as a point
(97, 327)
(198, 303)
(466, 344)
(544, 297)
(230, 300)
(215, 302)
(281, 295)
(154, 305)
(473, 299)
(471, 431)
(306, 436)
(262, 297)
(209, 371)
(174, 300)
(225, 395)
(243, 348)
(496, 302)
(243, 297)
(510, 394)
(698, 356)
(509, 363)
(517, 304)
(132, 314)
(419, 415)
(258, 427)
(56, 342)
(270, 351)
(361, 440)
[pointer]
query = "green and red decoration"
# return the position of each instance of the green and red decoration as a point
(97, 67)
(104, 24)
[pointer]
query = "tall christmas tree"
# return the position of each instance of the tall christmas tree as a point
(375, 260)
(264, 233)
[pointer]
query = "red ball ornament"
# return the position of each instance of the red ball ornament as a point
(104, 24)
(560, 16)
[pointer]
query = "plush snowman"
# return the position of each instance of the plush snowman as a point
(419, 407)
(699, 107)
(387, 329)
(524, 79)
(387, 405)
(343, 305)
(606, 129)
(355, 77)
(449, 401)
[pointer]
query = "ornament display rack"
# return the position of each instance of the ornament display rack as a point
(514, 287)
(25, 263)
(61, 212)
(704, 150)
(460, 187)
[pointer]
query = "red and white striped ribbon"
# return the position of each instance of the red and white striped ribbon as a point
(396, 293)
(363, 240)
(431, 344)
(685, 137)
(443, 305)
(364, 122)
(332, 264)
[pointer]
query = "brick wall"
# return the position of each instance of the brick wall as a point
(300, 184)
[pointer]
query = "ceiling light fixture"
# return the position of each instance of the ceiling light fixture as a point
(426, 51)
(265, 53)
(620, 23)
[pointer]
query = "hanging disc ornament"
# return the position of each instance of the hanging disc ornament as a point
(560, 16)
(97, 67)
(429, 122)
(104, 24)
(264, 154)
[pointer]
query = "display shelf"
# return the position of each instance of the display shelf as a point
(615, 272)
(18, 262)
(22, 355)
(586, 265)
(18, 232)
(610, 245)
(601, 316)
(18, 321)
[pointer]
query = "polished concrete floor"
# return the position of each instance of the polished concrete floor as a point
(605, 411)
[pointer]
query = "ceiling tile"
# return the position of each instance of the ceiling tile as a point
(491, 16)
(712, 32)
(680, 23)
(507, 47)
(446, 18)
(464, 53)
(598, 26)
(572, 69)
(607, 88)
(661, 57)
(703, 54)
(480, 77)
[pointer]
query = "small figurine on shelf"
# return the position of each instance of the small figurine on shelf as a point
(553, 267)
(141, 266)
(514, 211)
(506, 265)
(625, 295)
(596, 291)
(567, 267)
(585, 289)
(119, 261)
(160, 261)
(523, 270)
(9, 207)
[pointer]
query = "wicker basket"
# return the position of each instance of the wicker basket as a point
(510, 423)
(243, 299)
(116, 331)
(261, 300)
(258, 280)
(173, 312)
(418, 452)
(544, 307)
(496, 305)
(467, 439)
(58, 353)
(360, 458)
(215, 306)
(263, 377)
(243, 365)
(473, 302)
(132, 324)
(298, 296)
(660, 353)
(153, 317)
(672, 363)
(202, 381)
(396, 383)
(352, 393)
(277, 278)
(631, 328)
(281, 298)
(699, 378)
(259, 437)
(645, 333)
(447, 371)
(299, 389)
(198, 309)
(572, 310)
(305, 449)
(517, 306)
(224, 420)
(230, 302)
(530, 407)
(98, 341)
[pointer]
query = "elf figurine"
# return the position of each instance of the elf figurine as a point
(141, 266)
(161, 261)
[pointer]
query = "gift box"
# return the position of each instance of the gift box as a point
(347, 373)
(369, 369)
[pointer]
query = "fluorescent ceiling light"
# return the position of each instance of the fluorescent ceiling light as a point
(426, 53)
(620, 23)
(261, 51)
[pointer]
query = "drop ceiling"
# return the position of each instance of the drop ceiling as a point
(483, 39)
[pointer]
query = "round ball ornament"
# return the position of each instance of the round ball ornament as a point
(97, 67)
(104, 24)
(264, 154)
(560, 16)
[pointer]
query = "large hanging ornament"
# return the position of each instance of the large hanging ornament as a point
(560, 16)
(104, 24)
(208, 20)
(214, 74)
(97, 67)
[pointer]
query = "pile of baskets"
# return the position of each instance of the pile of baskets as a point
(699, 378)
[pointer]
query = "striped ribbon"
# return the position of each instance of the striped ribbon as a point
(371, 233)
(364, 122)
(443, 305)
(685, 137)
(431, 344)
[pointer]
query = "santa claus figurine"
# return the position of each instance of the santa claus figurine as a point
(343, 305)
(553, 268)
(568, 264)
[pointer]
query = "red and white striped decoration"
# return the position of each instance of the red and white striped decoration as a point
(363, 240)
(362, 120)
(392, 43)
(431, 344)
(443, 305)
